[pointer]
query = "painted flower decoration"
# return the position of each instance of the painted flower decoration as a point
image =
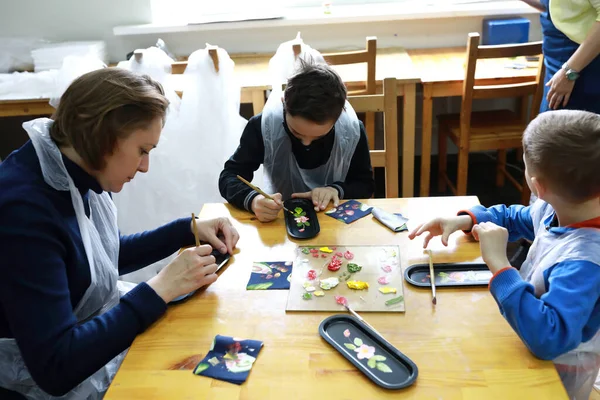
(349, 212)
(347, 333)
(301, 219)
(242, 363)
(365, 351)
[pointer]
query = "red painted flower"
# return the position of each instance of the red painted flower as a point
(335, 264)
(312, 275)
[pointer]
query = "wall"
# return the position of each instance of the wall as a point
(59, 20)
(94, 19)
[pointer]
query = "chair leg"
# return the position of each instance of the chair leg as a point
(442, 158)
(500, 168)
(525, 193)
(463, 169)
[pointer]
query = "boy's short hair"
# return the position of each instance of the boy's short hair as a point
(316, 93)
(102, 106)
(563, 148)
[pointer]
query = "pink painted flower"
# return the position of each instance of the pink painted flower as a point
(348, 255)
(387, 268)
(301, 230)
(341, 300)
(384, 280)
(349, 212)
(347, 333)
(355, 206)
(365, 351)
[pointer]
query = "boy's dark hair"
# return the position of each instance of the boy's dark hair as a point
(316, 93)
(563, 148)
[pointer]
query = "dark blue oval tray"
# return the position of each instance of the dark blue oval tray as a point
(303, 232)
(449, 275)
(386, 365)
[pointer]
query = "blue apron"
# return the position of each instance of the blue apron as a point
(558, 48)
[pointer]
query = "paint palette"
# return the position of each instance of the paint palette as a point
(369, 352)
(449, 275)
(304, 224)
(220, 259)
(368, 277)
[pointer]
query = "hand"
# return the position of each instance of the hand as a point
(266, 210)
(560, 90)
(441, 226)
(320, 197)
(492, 240)
(190, 270)
(219, 233)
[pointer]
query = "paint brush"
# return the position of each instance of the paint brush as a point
(195, 230)
(432, 278)
(351, 311)
(261, 192)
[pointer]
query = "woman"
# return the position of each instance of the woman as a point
(571, 32)
(63, 327)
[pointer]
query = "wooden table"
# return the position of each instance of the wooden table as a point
(463, 348)
(442, 72)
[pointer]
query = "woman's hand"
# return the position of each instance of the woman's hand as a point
(560, 90)
(190, 270)
(218, 232)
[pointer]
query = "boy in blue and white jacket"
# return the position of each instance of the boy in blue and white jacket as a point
(553, 302)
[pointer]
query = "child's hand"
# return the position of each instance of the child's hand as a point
(320, 197)
(266, 210)
(441, 226)
(492, 240)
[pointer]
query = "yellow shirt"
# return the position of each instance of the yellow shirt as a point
(575, 18)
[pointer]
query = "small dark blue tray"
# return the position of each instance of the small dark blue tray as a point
(449, 275)
(382, 363)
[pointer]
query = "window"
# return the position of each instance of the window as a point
(224, 10)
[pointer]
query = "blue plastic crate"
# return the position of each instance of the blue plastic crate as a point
(505, 31)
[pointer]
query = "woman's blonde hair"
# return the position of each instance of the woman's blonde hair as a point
(102, 106)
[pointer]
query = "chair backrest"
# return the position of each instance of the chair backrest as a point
(388, 157)
(521, 90)
(368, 56)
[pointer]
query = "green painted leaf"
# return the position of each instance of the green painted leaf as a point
(383, 367)
(372, 362)
(307, 223)
(299, 224)
(395, 300)
(259, 286)
(350, 346)
(200, 367)
(378, 358)
(358, 341)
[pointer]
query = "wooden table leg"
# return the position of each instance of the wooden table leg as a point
(426, 133)
(258, 101)
(408, 141)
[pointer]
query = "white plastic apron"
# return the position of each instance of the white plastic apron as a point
(100, 238)
(281, 171)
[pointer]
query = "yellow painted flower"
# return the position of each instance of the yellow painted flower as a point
(357, 285)
(325, 250)
(387, 290)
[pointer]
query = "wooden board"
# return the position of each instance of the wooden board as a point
(371, 258)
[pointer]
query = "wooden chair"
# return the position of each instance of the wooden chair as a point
(489, 130)
(388, 157)
(368, 56)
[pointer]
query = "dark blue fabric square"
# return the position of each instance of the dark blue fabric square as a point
(230, 359)
(270, 275)
(349, 211)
